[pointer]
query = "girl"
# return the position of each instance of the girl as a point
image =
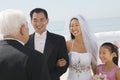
(108, 54)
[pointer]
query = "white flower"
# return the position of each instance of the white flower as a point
(99, 77)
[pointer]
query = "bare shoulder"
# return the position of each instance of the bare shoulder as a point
(118, 74)
(69, 44)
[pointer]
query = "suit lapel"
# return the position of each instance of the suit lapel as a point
(48, 45)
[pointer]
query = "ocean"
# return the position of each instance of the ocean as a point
(106, 29)
(96, 25)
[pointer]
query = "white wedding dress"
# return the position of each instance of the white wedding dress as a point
(80, 66)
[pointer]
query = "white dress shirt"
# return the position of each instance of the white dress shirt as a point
(40, 40)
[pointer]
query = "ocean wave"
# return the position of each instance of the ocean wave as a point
(110, 36)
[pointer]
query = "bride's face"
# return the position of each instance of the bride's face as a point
(75, 27)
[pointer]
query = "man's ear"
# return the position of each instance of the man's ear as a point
(22, 29)
(47, 21)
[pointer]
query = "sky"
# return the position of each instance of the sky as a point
(59, 10)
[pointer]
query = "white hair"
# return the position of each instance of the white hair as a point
(10, 21)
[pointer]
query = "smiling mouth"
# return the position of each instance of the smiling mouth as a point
(75, 32)
(39, 27)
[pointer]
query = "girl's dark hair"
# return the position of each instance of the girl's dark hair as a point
(112, 48)
(72, 36)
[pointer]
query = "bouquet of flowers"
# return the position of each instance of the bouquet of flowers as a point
(99, 77)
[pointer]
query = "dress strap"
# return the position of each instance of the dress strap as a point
(72, 45)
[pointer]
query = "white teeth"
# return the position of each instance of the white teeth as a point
(39, 27)
(75, 32)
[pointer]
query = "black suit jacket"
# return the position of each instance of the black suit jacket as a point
(55, 48)
(17, 62)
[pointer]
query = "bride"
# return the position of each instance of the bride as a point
(82, 49)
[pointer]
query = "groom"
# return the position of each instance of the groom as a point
(53, 46)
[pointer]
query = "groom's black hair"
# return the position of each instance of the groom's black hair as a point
(39, 10)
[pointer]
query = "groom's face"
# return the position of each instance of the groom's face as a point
(39, 22)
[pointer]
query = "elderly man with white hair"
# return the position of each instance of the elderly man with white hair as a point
(16, 61)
